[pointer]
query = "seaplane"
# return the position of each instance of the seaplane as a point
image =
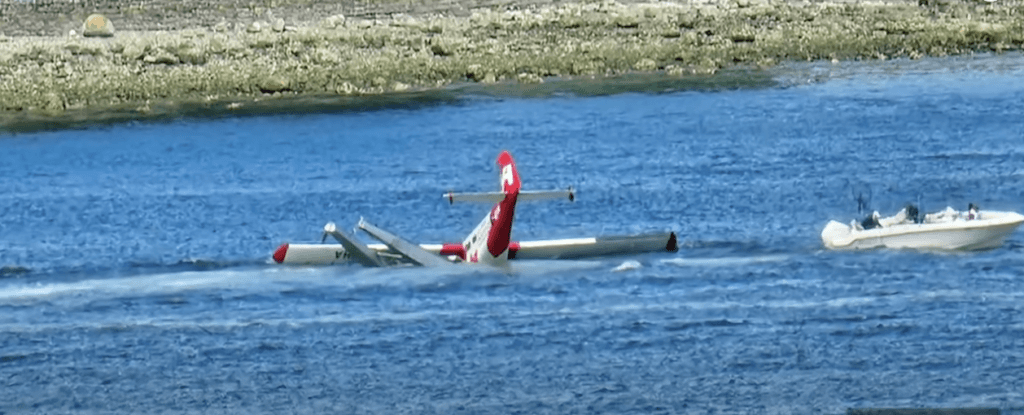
(490, 243)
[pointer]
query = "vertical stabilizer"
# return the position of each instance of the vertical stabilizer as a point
(503, 213)
(509, 175)
(489, 242)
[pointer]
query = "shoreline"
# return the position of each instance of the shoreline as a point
(60, 82)
(306, 104)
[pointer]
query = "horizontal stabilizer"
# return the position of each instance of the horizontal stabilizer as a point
(357, 251)
(414, 252)
(524, 196)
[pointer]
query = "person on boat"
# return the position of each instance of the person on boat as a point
(913, 213)
(871, 221)
(905, 216)
(972, 212)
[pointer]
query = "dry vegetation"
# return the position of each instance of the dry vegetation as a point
(346, 56)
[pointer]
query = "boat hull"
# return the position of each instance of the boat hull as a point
(965, 235)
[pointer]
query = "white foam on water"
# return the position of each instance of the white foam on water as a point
(542, 267)
(143, 285)
(228, 323)
(266, 279)
(628, 266)
(725, 261)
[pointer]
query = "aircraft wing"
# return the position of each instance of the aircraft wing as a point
(356, 251)
(410, 250)
(594, 247)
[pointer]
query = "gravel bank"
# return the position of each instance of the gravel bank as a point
(179, 55)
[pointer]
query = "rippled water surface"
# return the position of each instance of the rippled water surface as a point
(136, 273)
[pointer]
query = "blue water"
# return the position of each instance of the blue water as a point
(137, 276)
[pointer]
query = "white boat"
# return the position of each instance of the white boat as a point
(945, 230)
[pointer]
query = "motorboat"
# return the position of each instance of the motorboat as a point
(948, 229)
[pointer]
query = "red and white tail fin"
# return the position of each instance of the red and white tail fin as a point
(503, 213)
(509, 175)
(489, 242)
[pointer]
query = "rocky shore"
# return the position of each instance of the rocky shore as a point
(276, 50)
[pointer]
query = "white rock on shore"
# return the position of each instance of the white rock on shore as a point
(97, 25)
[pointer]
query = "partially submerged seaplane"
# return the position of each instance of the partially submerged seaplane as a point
(490, 243)
(944, 230)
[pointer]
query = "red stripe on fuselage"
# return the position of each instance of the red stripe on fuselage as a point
(453, 249)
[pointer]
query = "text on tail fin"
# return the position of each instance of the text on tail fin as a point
(509, 175)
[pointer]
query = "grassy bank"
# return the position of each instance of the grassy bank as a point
(231, 63)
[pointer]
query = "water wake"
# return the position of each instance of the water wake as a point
(726, 261)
